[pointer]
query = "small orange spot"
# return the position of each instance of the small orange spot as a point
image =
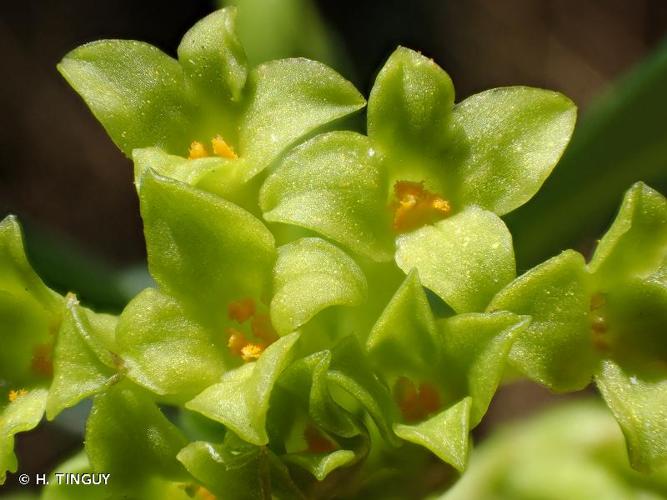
(317, 443)
(429, 398)
(221, 148)
(597, 301)
(241, 346)
(263, 329)
(251, 352)
(241, 310)
(14, 395)
(414, 206)
(197, 150)
(237, 341)
(204, 494)
(416, 403)
(42, 363)
(599, 330)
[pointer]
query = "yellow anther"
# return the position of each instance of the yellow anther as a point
(197, 150)
(241, 346)
(241, 310)
(251, 352)
(14, 395)
(221, 148)
(414, 206)
(441, 205)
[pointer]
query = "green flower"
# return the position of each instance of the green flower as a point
(49, 341)
(427, 184)
(231, 120)
(30, 315)
(605, 320)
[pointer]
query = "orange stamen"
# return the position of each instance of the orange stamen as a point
(414, 206)
(204, 494)
(221, 148)
(317, 443)
(237, 341)
(241, 310)
(14, 395)
(416, 403)
(197, 150)
(42, 363)
(251, 352)
(241, 346)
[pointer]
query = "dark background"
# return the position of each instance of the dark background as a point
(59, 171)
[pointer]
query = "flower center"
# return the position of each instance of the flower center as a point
(244, 311)
(414, 206)
(416, 403)
(218, 145)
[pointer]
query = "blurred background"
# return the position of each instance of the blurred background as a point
(72, 189)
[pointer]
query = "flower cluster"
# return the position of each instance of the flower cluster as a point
(333, 307)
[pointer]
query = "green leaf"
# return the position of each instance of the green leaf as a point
(351, 371)
(174, 166)
(137, 92)
(410, 106)
(30, 313)
(636, 243)
(214, 174)
(21, 415)
(475, 347)
(212, 56)
(241, 400)
(128, 437)
(333, 185)
(306, 382)
(236, 469)
(505, 143)
(556, 349)
(82, 362)
(321, 465)
(203, 250)
(309, 276)
(16, 274)
(404, 340)
(288, 99)
(445, 434)
(465, 259)
(165, 350)
(639, 404)
(231, 470)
